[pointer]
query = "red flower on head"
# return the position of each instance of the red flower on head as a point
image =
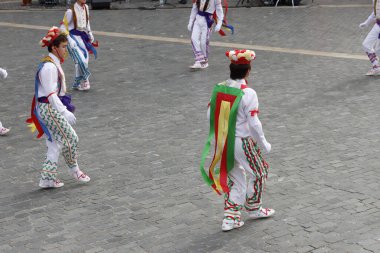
(241, 56)
(51, 35)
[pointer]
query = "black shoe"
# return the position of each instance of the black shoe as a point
(182, 1)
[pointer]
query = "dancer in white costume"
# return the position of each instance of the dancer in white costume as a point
(243, 180)
(371, 42)
(76, 23)
(3, 130)
(52, 113)
(200, 24)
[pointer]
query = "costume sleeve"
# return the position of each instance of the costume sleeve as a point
(88, 23)
(89, 26)
(193, 13)
(251, 110)
(49, 78)
(257, 132)
(250, 102)
(219, 12)
(56, 103)
(67, 19)
(371, 18)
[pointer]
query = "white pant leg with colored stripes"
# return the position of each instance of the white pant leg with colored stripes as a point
(200, 38)
(369, 44)
(248, 177)
(50, 165)
(81, 58)
(64, 138)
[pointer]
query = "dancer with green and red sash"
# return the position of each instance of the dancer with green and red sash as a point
(238, 169)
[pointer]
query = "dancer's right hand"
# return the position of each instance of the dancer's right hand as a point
(363, 25)
(70, 117)
(189, 26)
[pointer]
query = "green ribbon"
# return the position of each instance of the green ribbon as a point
(238, 93)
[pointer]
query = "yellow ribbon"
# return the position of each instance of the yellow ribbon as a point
(225, 108)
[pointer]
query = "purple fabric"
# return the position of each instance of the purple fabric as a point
(86, 40)
(43, 100)
(207, 15)
(66, 101)
(372, 57)
(83, 35)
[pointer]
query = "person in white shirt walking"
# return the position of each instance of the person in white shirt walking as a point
(3, 130)
(200, 25)
(371, 42)
(76, 23)
(239, 137)
(52, 113)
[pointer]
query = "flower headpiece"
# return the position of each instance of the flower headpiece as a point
(241, 56)
(52, 34)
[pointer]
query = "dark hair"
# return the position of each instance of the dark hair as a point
(61, 38)
(239, 71)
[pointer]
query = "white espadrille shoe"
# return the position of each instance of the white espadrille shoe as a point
(261, 213)
(46, 183)
(80, 176)
(196, 65)
(375, 71)
(229, 224)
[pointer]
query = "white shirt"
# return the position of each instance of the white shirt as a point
(376, 7)
(248, 103)
(80, 12)
(48, 85)
(213, 5)
(247, 121)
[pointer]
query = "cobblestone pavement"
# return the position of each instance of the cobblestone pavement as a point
(143, 124)
(134, 4)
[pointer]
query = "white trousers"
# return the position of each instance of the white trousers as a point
(83, 59)
(247, 178)
(200, 38)
(371, 44)
(53, 150)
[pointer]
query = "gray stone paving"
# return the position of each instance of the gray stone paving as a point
(143, 124)
(137, 4)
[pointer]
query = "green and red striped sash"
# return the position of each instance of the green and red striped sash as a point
(224, 105)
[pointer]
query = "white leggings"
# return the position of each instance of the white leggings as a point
(371, 44)
(247, 178)
(200, 38)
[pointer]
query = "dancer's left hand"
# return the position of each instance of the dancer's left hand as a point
(92, 39)
(3, 73)
(363, 25)
(70, 117)
(267, 147)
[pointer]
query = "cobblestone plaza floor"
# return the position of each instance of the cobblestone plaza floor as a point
(142, 127)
